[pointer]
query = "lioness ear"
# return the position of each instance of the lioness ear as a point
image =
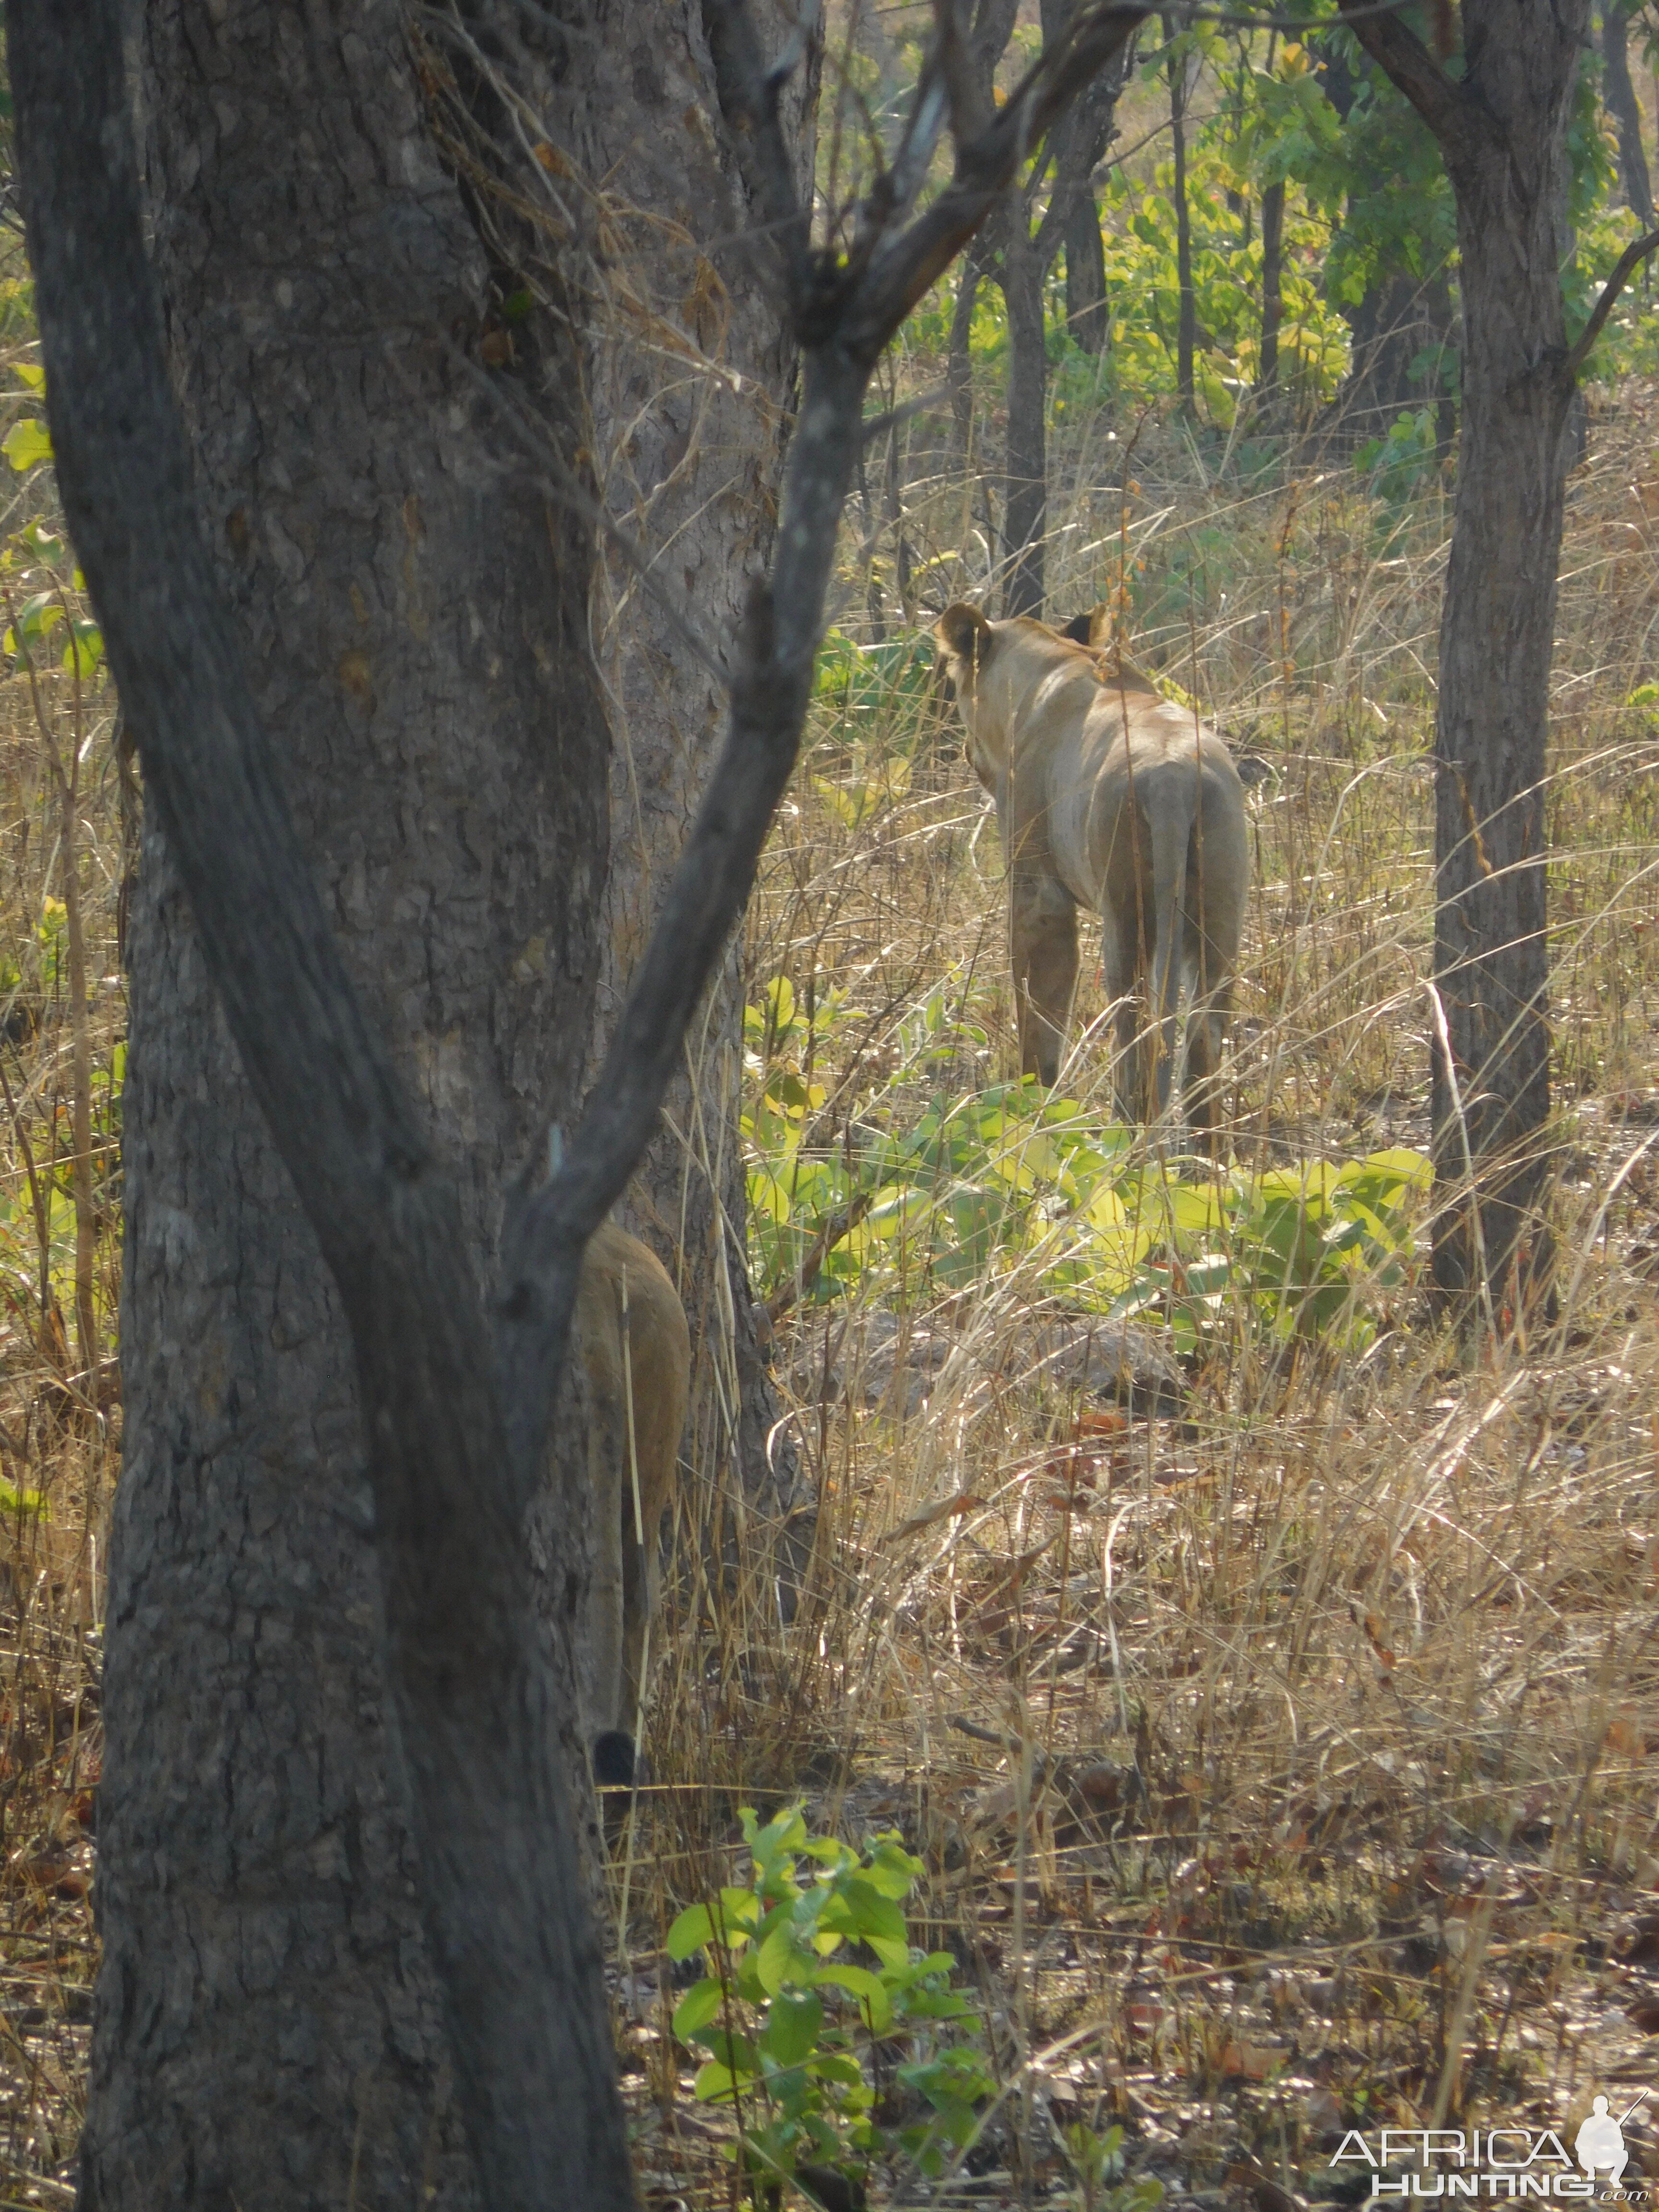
(1097, 627)
(964, 630)
(1078, 629)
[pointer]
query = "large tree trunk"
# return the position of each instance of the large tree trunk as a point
(1619, 95)
(415, 614)
(1502, 128)
(1025, 473)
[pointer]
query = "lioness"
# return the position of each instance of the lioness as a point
(632, 1337)
(1107, 796)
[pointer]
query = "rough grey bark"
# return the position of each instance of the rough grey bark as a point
(415, 617)
(958, 372)
(1026, 463)
(1085, 274)
(1501, 128)
(1619, 95)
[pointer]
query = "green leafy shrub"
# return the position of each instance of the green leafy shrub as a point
(979, 1181)
(804, 2041)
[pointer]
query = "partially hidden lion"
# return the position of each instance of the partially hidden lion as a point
(631, 1335)
(1110, 797)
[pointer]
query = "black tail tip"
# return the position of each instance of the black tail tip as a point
(616, 1763)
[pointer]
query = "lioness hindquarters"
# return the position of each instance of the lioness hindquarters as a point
(1169, 830)
(637, 1350)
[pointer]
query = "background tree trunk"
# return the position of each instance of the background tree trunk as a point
(1186, 309)
(1272, 296)
(1502, 129)
(1029, 247)
(1025, 473)
(1618, 95)
(1085, 275)
(417, 619)
(959, 373)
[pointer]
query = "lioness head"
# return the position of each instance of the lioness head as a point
(966, 643)
(997, 669)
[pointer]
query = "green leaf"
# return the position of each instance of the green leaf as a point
(869, 1989)
(733, 2052)
(699, 2004)
(791, 2027)
(30, 373)
(690, 1932)
(85, 648)
(27, 443)
(781, 1959)
(46, 546)
(715, 2084)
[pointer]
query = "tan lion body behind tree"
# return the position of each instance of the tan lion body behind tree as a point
(641, 1348)
(1110, 797)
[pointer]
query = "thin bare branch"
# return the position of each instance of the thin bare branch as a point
(1623, 270)
(901, 273)
(877, 426)
(706, 896)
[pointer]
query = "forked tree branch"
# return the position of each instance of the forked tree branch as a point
(455, 1412)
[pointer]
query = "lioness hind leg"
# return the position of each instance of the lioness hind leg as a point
(1205, 1029)
(1117, 977)
(1045, 972)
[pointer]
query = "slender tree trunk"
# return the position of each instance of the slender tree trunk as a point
(902, 558)
(1186, 315)
(1085, 275)
(959, 373)
(1618, 95)
(1026, 472)
(1501, 127)
(1272, 299)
